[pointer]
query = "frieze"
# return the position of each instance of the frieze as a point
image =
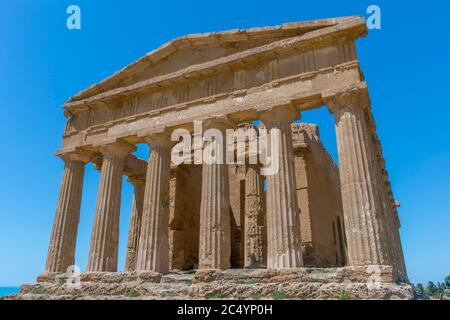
(272, 73)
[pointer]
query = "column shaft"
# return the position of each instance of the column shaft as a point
(283, 225)
(61, 251)
(215, 238)
(215, 241)
(387, 219)
(153, 253)
(135, 225)
(105, 232)
(384, 212)
(365, 237)
(255, 231)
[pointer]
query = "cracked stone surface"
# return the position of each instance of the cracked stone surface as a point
(303, 283)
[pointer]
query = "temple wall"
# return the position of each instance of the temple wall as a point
(318, 194)
(185, 195)
(237, 204)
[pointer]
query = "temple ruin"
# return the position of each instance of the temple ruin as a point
(313, 213)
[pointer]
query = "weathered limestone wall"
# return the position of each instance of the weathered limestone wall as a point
(185, 195)
(318, 193)
(237, 204)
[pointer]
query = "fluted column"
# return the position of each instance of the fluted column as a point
(61, 250)
(135, 222)
(105, 232)
(215, 241)
(283, 225)
(153, 252)
(255, 230)
(362, 212)
(386, 219)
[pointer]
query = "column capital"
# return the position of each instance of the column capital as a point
(160, 139)
(282, 113)
(352, 96)
(78, 156)
(219, 123)
(97, 160)
(120, 149)
(137, 180)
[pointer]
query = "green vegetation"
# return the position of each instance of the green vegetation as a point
(256, 296)
(434, 290)
(37, 290)
(188, 282)
(447, 281)
(279, 295)
(344, 296)
(217, 295)
(133, 293)
(251, 281)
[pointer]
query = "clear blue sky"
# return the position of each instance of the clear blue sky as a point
(42, 63)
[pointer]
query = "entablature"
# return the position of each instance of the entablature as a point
(302, 91)
(314, 51)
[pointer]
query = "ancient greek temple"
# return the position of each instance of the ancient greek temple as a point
(311, 213)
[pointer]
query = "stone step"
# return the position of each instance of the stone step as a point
(178, 277)
(218, 290)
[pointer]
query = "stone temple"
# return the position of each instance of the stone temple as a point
(313, 224)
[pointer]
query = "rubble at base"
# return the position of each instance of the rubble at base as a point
(305, 283)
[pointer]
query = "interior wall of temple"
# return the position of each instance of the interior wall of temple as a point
(237, 212)
(185, 196)
(319, 198)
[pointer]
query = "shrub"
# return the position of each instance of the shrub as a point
(251, 281)
(279, 295)
(133, 293)
(37, 290)
(256, 296)
(344, 296)
(217, 295)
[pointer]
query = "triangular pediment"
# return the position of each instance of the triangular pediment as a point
(196, 49)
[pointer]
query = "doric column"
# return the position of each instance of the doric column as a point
(135, 222)
(283, 225)
(153, 253)
(386, 208)
(362, 212)
(215, 241)
(105, 232)
(386, 218)
(255, 231)
(61, 250)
